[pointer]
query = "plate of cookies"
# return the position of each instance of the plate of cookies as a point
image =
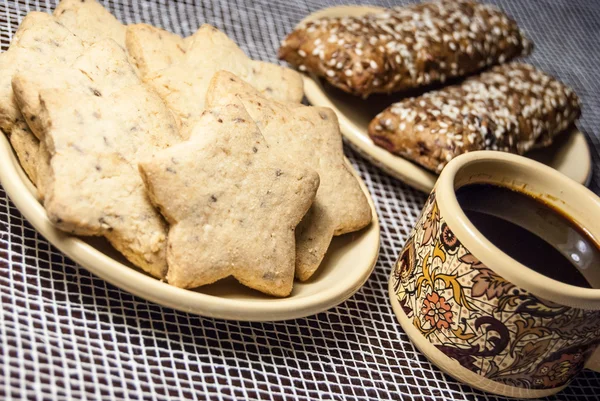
(179, 169)
(416, 86)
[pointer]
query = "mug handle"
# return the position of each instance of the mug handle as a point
(594, 362)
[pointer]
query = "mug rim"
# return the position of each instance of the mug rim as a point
(494, 258)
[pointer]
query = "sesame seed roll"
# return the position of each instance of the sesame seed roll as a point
(512, 108)
(405, 47)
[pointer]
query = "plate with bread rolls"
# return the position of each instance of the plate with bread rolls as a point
(415, 86)
(180, 169)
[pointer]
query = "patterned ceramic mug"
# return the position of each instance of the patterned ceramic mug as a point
(478, 314)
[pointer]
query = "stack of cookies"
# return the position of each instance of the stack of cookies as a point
(513, 107)
(194, 161)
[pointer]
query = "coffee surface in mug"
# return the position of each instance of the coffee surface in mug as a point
(533, 233)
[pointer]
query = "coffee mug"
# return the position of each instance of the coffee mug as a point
(481, 316)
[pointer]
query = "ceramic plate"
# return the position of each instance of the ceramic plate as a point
(346, 267)
(569, 154)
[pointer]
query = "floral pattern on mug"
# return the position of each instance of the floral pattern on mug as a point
(437, 311)
(486, 323)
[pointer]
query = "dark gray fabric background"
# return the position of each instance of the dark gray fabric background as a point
(65, 334)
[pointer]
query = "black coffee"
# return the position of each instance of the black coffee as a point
(533, 233)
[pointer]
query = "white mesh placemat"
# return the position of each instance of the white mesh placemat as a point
(67, 335)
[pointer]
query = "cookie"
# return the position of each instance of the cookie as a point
(90, 21)
(106, 77)
(31, 19)
(26, 147)
(232, 203)
(152, 49)
(40, 41)
(311, 137)
(94, 139)
(43, 42)
(43, 170)
(405, 47)
(512, 108)
(183, 85)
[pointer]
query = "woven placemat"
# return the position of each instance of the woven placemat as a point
(67, 335)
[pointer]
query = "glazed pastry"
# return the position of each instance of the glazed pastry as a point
(405, 47)
(511, 108)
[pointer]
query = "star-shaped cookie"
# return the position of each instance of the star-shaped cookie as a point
(311, 137)
(89, 73)
(152, 49)
(90, 21)
(233, 204)
(44, 41)
(183, 85)
(94, 136)
(107, 77)
(39, 41)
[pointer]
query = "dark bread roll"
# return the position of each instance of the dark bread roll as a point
(513, 108)
(405, 47)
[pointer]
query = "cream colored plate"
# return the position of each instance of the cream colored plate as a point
(347, 265)
(570, 154)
